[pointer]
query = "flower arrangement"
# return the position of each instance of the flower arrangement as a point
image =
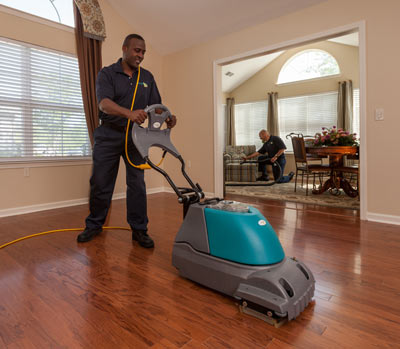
(334, 136)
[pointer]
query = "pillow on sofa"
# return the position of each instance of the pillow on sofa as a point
(238, 156)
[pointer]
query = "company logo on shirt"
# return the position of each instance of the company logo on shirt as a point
(144, 84)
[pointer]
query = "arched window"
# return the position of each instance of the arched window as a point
(60, 11)
(309, 64)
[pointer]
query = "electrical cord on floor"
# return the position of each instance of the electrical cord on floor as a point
(55, 231)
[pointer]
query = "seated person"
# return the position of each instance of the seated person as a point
(273, 149)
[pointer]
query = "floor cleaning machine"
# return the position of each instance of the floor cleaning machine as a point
(229, 246)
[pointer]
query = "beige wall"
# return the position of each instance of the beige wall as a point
(256, 88)
(55, 182)
(188, 83)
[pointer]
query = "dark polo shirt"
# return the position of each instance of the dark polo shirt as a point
(271, 147)
(114, 84)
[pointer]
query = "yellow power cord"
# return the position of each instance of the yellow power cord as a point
(54, 231)
(142, 167)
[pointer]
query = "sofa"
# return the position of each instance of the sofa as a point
(233, 170)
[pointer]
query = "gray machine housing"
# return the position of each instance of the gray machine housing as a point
(285, 288)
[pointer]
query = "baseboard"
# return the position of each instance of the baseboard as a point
(42, 207)
(383, 218)
(60, 204)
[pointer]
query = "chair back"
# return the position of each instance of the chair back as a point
(299, 149)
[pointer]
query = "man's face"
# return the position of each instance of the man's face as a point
(264, 136)
(133, 54)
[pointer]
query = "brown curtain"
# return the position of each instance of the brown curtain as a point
(272, 121)
(89, 58)
(345, 106)
(230, 122)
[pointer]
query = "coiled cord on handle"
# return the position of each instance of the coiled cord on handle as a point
(141, 166)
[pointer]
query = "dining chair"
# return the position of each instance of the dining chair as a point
(351, 170)
(303, 166)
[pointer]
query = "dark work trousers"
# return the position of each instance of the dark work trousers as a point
(262, 167)
(109, 146)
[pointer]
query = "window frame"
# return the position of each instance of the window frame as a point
(51, 160)
(288, 61)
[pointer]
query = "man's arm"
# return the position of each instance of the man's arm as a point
(109, 107)
(278, 154)
(251, 156)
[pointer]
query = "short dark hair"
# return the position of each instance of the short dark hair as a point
(130, 37)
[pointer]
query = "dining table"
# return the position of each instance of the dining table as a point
(336, 179)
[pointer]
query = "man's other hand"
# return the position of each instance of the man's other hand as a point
(171, 121)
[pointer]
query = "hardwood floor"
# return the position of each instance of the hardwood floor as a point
(111, 293)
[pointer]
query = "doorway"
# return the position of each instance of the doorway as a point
(350, 38)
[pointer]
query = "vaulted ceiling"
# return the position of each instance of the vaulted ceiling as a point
(172, 25)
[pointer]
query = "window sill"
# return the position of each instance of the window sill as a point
(335, 76)
(45, 163)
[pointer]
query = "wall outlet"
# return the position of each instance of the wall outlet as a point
(379, 114)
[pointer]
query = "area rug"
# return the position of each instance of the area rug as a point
(286, 192)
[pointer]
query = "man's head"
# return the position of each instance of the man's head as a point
(133, 50)
(264, 135)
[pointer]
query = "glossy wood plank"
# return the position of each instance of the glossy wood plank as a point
(111, 293)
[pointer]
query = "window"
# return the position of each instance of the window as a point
(306, 114)
(41, 109)
(356, 112)
(309, 64)
(250, 119)
(60, 11)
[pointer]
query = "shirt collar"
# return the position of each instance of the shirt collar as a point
(117, 67)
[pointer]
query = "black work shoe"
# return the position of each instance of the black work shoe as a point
(263, 178)
(290, 175)
(142, 238)
(88, 234)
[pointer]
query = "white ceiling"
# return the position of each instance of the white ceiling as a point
(245, 69)
(172, 25)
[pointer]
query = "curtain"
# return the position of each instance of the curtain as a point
(89, 58)
(272, 121)
(230, 122)
(345, 106)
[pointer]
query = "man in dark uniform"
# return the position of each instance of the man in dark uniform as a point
(115, 87)
(274, 149)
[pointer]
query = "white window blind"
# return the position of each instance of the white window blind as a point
(306, 114)
(250, 119)
(41, 110)
(356, 112)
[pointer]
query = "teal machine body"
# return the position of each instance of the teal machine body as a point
(242, 237)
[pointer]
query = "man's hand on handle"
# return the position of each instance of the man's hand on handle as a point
(138, 116)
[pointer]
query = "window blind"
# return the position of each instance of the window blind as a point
(250, 119)
(306, 114)
(41, 109)
(356, 112)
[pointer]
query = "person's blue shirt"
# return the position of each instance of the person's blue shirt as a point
(113, 83)
(272, 146)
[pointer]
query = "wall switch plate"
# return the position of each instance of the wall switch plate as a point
(379, 116)
(26, 171)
